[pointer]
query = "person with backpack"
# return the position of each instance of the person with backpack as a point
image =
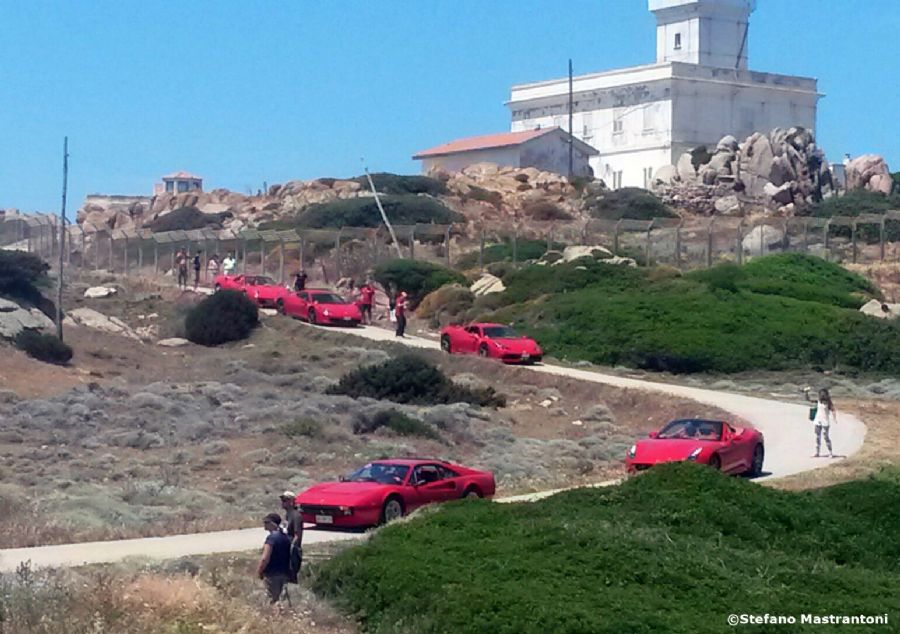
(823, 416)
(274, 566)
(198, 264)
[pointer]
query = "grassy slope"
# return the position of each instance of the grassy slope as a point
(675, 550)
(779, 312)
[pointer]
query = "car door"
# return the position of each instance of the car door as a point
(432, 485)
(302, 304)
(471, 339)
(730, 452)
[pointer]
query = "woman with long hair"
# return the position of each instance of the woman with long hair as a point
(824, 417)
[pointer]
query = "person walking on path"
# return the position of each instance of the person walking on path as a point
(229, 264)
(400, 312)
(294, 530)
(181, 265)
(198, 264)
(823, 417)
(274, 566)
(212, 268)
(366, 298)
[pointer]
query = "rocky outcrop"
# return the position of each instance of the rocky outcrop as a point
(487, 284)
(90, 318)
(869, 172)
(875, 308)
(14, 319)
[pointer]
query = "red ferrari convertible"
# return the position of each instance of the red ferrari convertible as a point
(320, 306)
(261, 289)
(490, 340)
(737, 450)
(388, 489)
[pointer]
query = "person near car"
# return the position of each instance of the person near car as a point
(400, 313)
(366, 298)
(198, 264)
(274, 566)
(212, 268)
(300, 281)
(294, 529)
(181, 265)
(229, 264)
(825, 416)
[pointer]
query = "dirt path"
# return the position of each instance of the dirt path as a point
(789, 447)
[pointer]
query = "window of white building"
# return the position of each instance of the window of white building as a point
(618, 125)
(678, 41)
(587, 126)
(648, 177)
(617, 179)
(650, 118)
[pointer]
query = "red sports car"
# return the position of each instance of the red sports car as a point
(387, 489)
(229, 282)
(738, 450)
(263, 290)
(490, 340)
(320, 306)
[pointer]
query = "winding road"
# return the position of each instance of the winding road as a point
(789, 444)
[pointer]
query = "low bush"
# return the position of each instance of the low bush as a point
(860, 202)
(397, 422)
(489, 196)
(186, 219)
(545, 210)
(411, 379)
(403, 209)
(526, 249)
(627, 203)
(416, 277)
(386, 183)
(302, 427)
(670, 551)
(223, 317)
(445, 304)
(44, 347)
(21, 275)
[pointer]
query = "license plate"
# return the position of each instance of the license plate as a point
(525, 355)
(324, 519)
(348, 319)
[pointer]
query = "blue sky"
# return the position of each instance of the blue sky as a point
(244, 92)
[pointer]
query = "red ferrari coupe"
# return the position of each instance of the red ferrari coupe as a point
(490, 340)
(261, 289)
(388, 489)
(737, 450)
(320, 306)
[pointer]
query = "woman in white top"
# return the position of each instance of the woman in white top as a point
(824, 418)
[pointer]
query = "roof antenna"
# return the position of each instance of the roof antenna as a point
(381, 209)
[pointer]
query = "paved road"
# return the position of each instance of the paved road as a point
(789, 447)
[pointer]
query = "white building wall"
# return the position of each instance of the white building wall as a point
(508, 157)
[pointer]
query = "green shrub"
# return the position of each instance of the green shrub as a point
(724, 277)
(44, 347)
(700, 156)
(526, 249)
(416, 277)
(545, 210)
(411, 379)
(860, 202)
(404, 209)
(302, 427)
(627, 202)
(386, 183)
(21, 274)
(188, 218)
(222, 317)
(446, 304)
(674, 550)
(398, 422)
(493, 198)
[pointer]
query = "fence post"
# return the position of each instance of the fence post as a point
(881, 237)
(481, 252)
(281, 261)
(302, 245)
(337, 254)
(242, 248)
(412, 242)
(262, 255)
(616, 237)
(515, 245)
(447, 244)
(140, 252)
(125, 259)
(739, 245)
(678, 244)
(806, 235)
(762, 236)
(112, 262)
(155, 257)
(647, 253)
(827, 241)
(853, 239)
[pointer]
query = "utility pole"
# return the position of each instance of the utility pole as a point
(571, 124)
(62, 240)
(383, 215)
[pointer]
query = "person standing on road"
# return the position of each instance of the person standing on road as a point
(181, 264)
(400, 312)
(212, 268)
(274, 566)
(229, 264)
(366, 298)
(300, 281)
(198, 264)
(294, 530)
(823, 418)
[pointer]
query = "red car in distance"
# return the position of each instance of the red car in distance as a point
(320, 306)
(263, 290)
(496, 341)
(735, 450)
(385, 490)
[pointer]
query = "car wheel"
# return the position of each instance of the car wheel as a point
(217, 288)
(392, 510)
(279, 305)
(445, 344)
(715, 462)
(311, 316)
(472, 494)
(483, 351)
(756, 467)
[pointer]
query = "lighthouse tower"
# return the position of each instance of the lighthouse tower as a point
(706, 32)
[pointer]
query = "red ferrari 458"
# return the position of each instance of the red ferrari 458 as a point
(737, 450)
(320, 306)
(263, 290)
(490, 340)
(388, 489)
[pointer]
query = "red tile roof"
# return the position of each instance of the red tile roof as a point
(484, 142)
(181, 175)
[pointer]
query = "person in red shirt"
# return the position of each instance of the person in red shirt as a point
(366, 299)
(400, 313)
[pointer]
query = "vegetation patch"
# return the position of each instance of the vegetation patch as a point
(44, 347)
(626, 203)
(416, 277)
(446, 304)
(545, 210)
(677, 549)
(776, 313)
(861, 202)
(222, 317)
(396, 421)
(21, 276)
(387, 183)
(188, 218)
(525, 249)
(401, 209)
(302, 428)
(411, 379)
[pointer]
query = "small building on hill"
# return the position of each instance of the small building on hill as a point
(179, 183)
(546, 149)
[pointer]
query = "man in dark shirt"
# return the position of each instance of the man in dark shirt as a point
(294, 529)
(300, 281)
(275, 564)
(197, 266)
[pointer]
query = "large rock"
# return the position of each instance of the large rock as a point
(173, 342)
(869, 171)
(782, 195)
(728, 205)
(90, 318)
(756, 164)
(727, 144)
(97, 292)
(875, 308)
(665, 175)
(576, 252)
(762, 239)
(14, 319)
(487, 284)
(685, 168)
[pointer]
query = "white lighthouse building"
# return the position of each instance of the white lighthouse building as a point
(699, 90)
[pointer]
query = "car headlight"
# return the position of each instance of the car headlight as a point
(695, 453)
(346, 510)
(325, 312)
(632, 451)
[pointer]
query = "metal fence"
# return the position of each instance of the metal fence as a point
(350, 252)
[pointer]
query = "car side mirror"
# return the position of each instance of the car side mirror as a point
(653, 434)
(342, 478)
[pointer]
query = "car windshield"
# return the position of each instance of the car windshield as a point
(262, 280)
(379, 472)
(499, 332)
(693, 430)
(328, 298)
